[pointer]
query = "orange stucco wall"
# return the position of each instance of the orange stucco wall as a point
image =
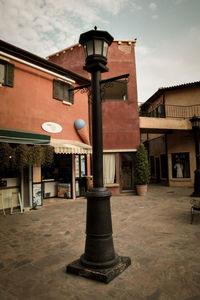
(120, 118)
(30, 103)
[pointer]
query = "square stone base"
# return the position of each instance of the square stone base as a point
(103, 275)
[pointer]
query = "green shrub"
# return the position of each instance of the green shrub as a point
(141, 170)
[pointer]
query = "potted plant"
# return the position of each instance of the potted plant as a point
(141, 170)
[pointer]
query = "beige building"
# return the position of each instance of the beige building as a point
(166, 130)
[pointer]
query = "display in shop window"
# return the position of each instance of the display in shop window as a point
(83, 168)
(64, 190)
(37, 194)
(77, 190)
(77, 169)
(180, 165)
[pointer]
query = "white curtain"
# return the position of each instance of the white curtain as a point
(109, 162)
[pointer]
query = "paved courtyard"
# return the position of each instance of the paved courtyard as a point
(153, 230)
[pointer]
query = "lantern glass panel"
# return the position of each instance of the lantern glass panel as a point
(98, 47)
(105, 49)
(195, 122)
(90, 48)
(85, 50)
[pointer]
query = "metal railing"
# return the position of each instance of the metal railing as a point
(172, 111)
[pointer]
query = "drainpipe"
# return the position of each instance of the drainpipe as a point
(22, 186)
(166, 151)
(30, 176)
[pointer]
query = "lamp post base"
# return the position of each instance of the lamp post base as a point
(103, 275)
(196, 192)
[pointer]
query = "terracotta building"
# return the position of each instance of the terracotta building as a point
(37, 108)
(121, 134)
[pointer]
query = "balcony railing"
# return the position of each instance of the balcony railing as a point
(172, 111)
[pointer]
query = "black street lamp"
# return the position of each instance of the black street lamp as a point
(99, 262)
(196, 127)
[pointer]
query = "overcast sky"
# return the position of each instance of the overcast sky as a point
(167, 32)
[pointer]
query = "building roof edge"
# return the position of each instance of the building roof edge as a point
(42, 62)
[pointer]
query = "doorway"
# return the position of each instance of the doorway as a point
(126, 175)
(157, 169)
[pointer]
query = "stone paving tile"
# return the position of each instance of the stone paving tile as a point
(154, 230)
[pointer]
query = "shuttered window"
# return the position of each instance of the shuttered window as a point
(6, 73)
(61, 91)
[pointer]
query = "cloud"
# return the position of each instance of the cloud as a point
(155, 17)
(168, 65)
(134, 6)
(46, 26)
(153, 6)
(180, 1)
(142, 50)
(111, 6)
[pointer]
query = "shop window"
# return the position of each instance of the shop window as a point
(61, 91)
(115, 90)
(80, 174)
(6, 73)
(60, 170)
(164, 166)
(180, 165)
(152, 165)
(57, 179)
(109, 168)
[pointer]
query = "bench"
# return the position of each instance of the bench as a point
(195, 206)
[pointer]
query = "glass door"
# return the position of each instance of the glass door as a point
(80, 174)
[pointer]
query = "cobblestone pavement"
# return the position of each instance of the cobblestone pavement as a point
(153, 230)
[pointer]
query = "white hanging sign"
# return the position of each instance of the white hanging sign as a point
(51, 127)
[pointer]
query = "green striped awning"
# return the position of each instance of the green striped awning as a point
(23, 137)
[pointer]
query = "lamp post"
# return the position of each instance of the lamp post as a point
(196, 127)
(99, 261)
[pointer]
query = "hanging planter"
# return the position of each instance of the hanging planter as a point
(35, 156)
(22, 156)
(5, 153)
(48, 156)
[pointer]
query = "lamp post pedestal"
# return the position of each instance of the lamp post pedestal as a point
(196, 192)
(99, 262)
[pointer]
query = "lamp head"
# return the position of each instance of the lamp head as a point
(195, 122)
(95, 43)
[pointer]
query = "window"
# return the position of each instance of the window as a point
(61, 91)
(109, 168)
(115, 90)
(180, 165)
(6, 73)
